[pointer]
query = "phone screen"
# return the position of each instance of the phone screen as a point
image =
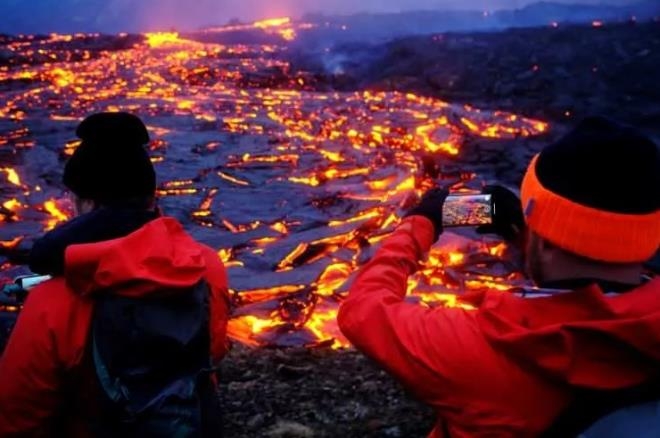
(29, 281)
(467, 210)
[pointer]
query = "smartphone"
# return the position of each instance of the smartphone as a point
(27, 282)
(468, 210)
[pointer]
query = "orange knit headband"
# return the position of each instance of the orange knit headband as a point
(595, 234)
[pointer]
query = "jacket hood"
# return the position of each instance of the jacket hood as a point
(581, 338)
(156, 258)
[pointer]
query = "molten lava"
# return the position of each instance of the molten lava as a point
(57, 215)
(12, 176)
(294, 188)
(158, 39)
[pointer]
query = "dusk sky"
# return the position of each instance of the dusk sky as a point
(116, 15)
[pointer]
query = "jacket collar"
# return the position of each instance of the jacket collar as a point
(106, 223)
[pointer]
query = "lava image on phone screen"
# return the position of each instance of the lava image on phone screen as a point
(467, 210)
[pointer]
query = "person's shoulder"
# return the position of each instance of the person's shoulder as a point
(51, 302)
(652, 283)
(51, 293)
(50, 289)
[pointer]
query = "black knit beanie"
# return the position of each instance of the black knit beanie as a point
(111, 166)
(596, 192)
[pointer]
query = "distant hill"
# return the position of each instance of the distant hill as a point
(111, 16)
(361, 26)
(545, 12)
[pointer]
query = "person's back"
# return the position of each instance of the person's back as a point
(123, 341)
(513, 365)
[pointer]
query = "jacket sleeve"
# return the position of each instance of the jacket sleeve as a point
(47, 340)
(424, 348)
(216, 276)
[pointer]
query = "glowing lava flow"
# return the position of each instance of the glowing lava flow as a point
(57, 215)
(12, 175)
(158, 39)
(283, 26)
(294, 188)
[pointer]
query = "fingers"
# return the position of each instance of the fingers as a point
(486, 229)
(436, 193)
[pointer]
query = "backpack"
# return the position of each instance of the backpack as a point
(630, 412)
(639, 421)
(152, 362)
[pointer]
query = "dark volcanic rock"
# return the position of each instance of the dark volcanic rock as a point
(560, 74)
(331, 393)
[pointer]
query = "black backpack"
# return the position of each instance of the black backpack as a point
(152, 362)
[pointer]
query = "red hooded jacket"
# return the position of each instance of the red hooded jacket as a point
(510, 367)
(49, 340)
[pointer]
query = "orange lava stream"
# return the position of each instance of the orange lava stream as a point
(360, 148)
(57, 215)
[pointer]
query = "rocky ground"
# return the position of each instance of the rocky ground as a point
(315, 393)
(557, 74)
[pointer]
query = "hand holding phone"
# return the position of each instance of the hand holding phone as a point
(497, 210)
(430, 206)
(508, 218)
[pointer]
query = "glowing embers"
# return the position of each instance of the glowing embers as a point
(203, 214)
(284, 27)
(272, 22)
(177, 188)
(438, 137)
(458, 265)
(18, 138)
(61, 77)
(298, 314)
(227, 258)
(9, 210)
(333, 277)
(70, 147)
(279, 317)
(328, 175)
(10, 244)
(56, 212)
(309, 252)
(295, 314)
(503, 130)
(12, 175)
(441, 135)
(12, 205)
(265, 160)
(291, 314)
(393, 188)
(159, 39)
(236, 124)
(232, 179)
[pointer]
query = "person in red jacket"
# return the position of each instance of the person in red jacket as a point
(123, 340)
(514, 366)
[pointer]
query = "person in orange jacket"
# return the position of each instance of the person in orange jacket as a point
(123, 340)
(515, 366)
